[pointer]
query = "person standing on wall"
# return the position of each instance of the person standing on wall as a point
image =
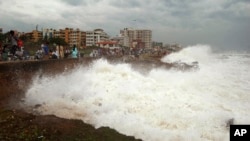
(74, 52)
(61, 53)
(13, 41)
(46, 50)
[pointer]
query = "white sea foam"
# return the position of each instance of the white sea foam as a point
(160, 105)
(201, 53)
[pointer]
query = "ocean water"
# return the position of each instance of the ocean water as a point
(161, 105)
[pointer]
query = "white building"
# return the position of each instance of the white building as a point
(48, 33)
(140, 37)
(93, 37)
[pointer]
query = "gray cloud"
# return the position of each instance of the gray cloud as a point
(223, 23)
(74, 2)
(125, 4)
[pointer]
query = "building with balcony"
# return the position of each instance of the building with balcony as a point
(70, 36)
(136, 38)
(48, 33)
(63, 33)
(93, 37)
(35, 35)
(77, 37)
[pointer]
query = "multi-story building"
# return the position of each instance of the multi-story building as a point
(136, 38)
(57, 34)
(93, 37)
(119, 39)
(70, 36)
(63, 33)
(83, 39)
(35, 35)
(48, 33)
(77, 37)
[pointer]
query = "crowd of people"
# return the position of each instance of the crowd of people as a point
(57, 52)
(13, 49)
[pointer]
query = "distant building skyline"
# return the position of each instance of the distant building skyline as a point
(128, 37)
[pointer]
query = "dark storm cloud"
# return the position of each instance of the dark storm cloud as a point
(215, 22)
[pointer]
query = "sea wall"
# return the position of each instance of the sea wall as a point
(16, 76)
(17, 124)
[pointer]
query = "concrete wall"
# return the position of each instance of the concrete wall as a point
(15, 77)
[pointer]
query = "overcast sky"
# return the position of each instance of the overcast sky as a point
(218, 23)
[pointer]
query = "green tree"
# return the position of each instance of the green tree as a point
(58, 41)
(24, 38)
(3, 37)
(46, 37)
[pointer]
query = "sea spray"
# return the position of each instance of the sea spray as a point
(160, 105)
